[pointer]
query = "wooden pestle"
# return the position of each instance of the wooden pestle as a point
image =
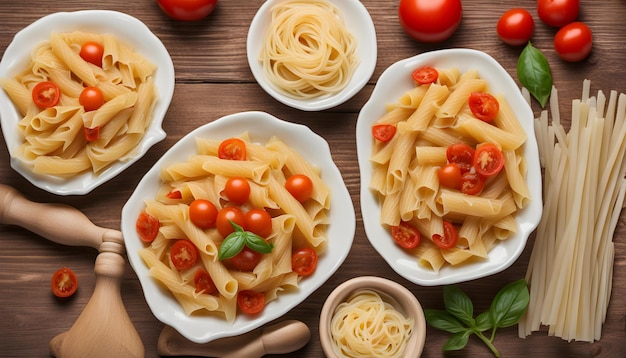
(282, 337)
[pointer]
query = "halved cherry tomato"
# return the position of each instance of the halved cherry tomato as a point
(174, 194)
(383, 132)
(46, 94)
(246, 259)
(251, 302)
(202, 213)
(406, 235)
(425, 75)
(515, 27)
(259, 222)
(232, 149)
(91, 134)
(304, 261)
(91, 98)
(450, 176)
(64, 283)
(472, 183)
(237, 190)
(227, 214)
(449, 238)
(147, 227)
(203, 282)
(573, 42)
(488, 160)
(558, 13)
(92, 52)
(300, 187)
(484, 106)
(462, 155)
(183, 254)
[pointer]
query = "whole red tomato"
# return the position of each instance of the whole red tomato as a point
(430, 20)
(558, 13)
(515, 27)
(187, 10)
(573, 42)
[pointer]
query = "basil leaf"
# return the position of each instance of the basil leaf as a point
(232, 245)
(533, 71)
(483, 322)
(459, 305)
(509, 304)
(457, 341)
(257, 243)
(444, 321)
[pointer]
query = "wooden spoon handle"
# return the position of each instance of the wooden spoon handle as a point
(56, 222)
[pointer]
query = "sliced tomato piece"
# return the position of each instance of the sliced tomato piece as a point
(304, 261)
(406, 235)
(64, 282)
(449, 238)
(488, 160)
(183, 254)
(174, 194)
(383, 132)
(91, 134)
(46, 94)
(251, 302)
(425, 75)
(462, 155)
(232, 149)
(147, 227)
(484, 106)
(472, 183)
(203, 282)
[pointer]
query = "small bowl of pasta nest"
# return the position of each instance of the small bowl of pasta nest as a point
(82, 97)
(354, 314)
(312, 55)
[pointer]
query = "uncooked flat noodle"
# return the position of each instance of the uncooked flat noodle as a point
(307, 50)
(368, 325)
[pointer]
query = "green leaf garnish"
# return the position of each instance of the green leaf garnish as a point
(533, 71)
(236, 240)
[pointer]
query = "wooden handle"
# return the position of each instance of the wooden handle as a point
(284, 337)
(56, 222)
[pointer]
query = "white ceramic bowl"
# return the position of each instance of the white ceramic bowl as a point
(261, 126)
(408, 305)
(358, 21)
(134, 32)
(396, 80)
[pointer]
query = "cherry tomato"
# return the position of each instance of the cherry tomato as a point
(304, 261)
(450, 176)
(472, 183)
(91, 98)
(484, 106)
(64, 283)
(91, 134)
(406, 235)
(259, 222)
(300, 187)
(515, 27)
(237, 190)
(449, 238)
(488, 160)
(425, 75)
(246, 259)
(227, 214)
(203, 282)
(558, 13)
(573, 42)
(183, 254)
(251, 302)
(202, 213)
(46, 94)
(232, 149)
(383, 132)
(92, 52)
(174, 194)
(430, 20)
(147, 227)
(462, 155)
(187, 10)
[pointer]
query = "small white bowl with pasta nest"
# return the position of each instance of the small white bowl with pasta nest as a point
(495, 254)
(303, 76)
(140, 41)
(354, 312)
(261, 127)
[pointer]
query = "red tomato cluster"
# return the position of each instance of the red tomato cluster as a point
(468, 168)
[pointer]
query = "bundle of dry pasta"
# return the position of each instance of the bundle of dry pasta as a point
(297, 227)
(427, 121)
(571, 267)
(64, 136)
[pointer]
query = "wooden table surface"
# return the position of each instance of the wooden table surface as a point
(212, 80)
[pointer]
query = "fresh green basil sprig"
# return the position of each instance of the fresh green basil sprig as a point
(458, 318)
(533, 71)
(236, 240)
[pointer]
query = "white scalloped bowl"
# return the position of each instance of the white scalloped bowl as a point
(394, 82)
(358, 21)
(131, 30)
(261, 127)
